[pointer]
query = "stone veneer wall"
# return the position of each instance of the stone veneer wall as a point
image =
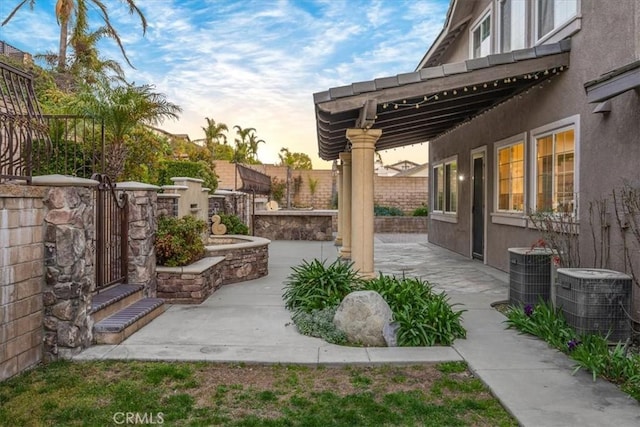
(167, 205)
(243, 263)
(69, 270)
(143, 207)
(21, 269)
(294, 225)
(191, 284)
(400, 224)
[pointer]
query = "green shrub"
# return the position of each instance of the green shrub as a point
(315, 286)
(425, 318)
(421, 211)
(319, 324)
(590, 351)
(179, 241)
(543, 321)
(387, 211)
(183, 168)
(234, 224)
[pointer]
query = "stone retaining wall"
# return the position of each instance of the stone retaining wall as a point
(294, 225)
(401, 224)
(191, 284)
(242, 264)
(21, 269)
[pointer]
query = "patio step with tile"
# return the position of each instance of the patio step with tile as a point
(122, 324)
(114, 299)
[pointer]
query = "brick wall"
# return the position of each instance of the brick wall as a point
(21, 276)
(406, 193)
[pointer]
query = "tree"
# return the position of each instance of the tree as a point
(242, 148)
(294, 160)
(74, 12)
(214, 133)
(253, 146)
(122, 108)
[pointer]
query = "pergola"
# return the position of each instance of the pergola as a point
(356, 120)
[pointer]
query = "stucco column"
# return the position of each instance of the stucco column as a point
(338, 240)
(345, 196)
(363, 144)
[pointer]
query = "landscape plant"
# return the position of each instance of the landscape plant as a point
(591, 352)
(319, 323)
(234, 224)
(314, 285)
(179, 240)
(424, 317)
(387, 211)
(422, 210)
(314, 290)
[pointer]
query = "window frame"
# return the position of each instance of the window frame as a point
(487, 13)
(559, 31)
(507, 143)
(499, 26)
(441, 211)
(572, 122)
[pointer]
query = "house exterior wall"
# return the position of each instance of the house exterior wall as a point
(608, 150)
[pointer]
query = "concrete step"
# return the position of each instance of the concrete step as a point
(114, 299)
(122, 324)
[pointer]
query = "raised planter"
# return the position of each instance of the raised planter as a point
(294, 224)
(191, 284)
(245, 257)
(400, 224)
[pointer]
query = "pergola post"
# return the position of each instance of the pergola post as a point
(345, 196)
(363, 143)
(338, 241)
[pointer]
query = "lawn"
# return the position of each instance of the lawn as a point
(203, 394)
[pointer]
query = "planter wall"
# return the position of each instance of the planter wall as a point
(191, 284)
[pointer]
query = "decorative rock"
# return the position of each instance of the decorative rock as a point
(390, 334)
(362, 316)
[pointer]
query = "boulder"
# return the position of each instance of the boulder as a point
(362, 316)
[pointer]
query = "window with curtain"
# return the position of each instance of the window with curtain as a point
(552, 14)
(445, 187)
(510, 160)
(481, 37)
(555, 171)
(513, 25)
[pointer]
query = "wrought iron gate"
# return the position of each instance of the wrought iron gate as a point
(112, 217)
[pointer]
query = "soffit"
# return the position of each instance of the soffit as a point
(420, 106)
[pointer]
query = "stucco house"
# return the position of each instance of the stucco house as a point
(527, 105)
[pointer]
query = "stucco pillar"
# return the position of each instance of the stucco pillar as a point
(338, 240)
(345, 196)
(363, 144)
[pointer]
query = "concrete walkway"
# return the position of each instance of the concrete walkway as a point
(247, 322)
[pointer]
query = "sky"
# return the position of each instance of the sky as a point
(254, 63)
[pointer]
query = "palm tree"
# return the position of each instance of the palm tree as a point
(214, 133)
(122, 108)
(69, 11)
(253, 146)
(241, 154)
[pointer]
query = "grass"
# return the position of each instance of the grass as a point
(196, 394)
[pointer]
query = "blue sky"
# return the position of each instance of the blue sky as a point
(255, 63)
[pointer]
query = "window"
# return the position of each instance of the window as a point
(481, 37)
(445, 187)
(510, 160)
(555, 167)
(552, 14)
(438, 187)
(513, 25)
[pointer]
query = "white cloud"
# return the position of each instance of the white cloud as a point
(257, 63)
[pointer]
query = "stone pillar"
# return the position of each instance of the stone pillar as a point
(363, 143)
(345, 195)
(69, 261)
(143, 207)
(338, 240)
